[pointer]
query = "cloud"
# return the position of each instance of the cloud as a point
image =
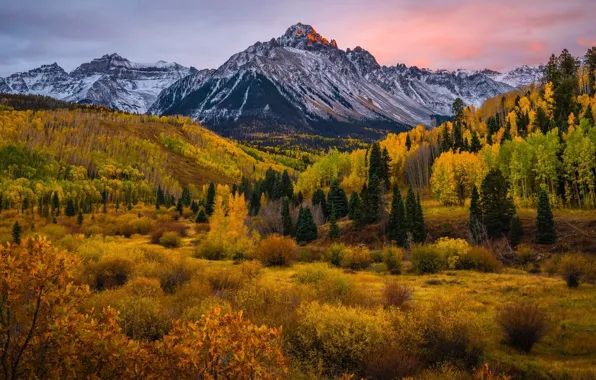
(204, 33)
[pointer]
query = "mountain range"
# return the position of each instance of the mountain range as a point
(300, 82)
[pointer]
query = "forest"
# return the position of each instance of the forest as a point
(137, 246)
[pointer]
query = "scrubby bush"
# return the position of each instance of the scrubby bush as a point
(210, 250)
(525, 255)
(143, 318)
(427, 259)
(144, 287)
(356, 258)
(321, 335)
(276, 250)
(396, 294)
(480, 259)
(393, 257)
(161, 228)
(572, 268)
(195, 313)
(170, 240)
(313, 274)
(524, 325)
(133, 226)
(109, 272)
(175, 274)
(451, 247)
(335, 254)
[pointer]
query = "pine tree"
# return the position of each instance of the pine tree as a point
(210, 199)
(545, 225)
(202, 217)
(408, 142)
(255, 203)
(117, 205)
(375, 166)
(186, 198)
(319, 199)
(446, 141)
(70, 208)
(515, 232)
(16, 233)
(286, 219)
(396, 229)
(475, 145)
(287, 186)
(458, 142)
(80, 218)
(419, 231)
(458, 110)
(386, 161)
(180, 206)
(354, 205)
(306, 229)
(56, 205)
(299, 198)
(194, 206)
(496, 205)
(160, 199)
(411, 212)
(374, 201)
(337, 200)
(475, 220)
(333, 227)
(1, 202)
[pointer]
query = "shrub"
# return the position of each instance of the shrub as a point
(276, 250)
(572, 268)
(451, 247)
(143, 318)
(195, 313)
(175, 274)
(524, 324)
(427, 259)
(170, 240)
(525, 255)
(313, 274)
(109, 272)
(396, 294)
(480, 259)
(210, 250)
(376, 256)
(144, 287)
(160, 228)
(321, 335)
(335, 254)
(393, 257)
(226, 278)
(356, 258)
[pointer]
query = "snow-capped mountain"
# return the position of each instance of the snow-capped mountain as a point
(111, 81)
(300, 81)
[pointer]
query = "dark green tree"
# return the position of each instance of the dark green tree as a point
(515, 232)
(180, 206)
(306, 229)
(475, 221)
(320, 199)
(194, 206)
(419, 231)
(333, 227)
(210, 199)
(337, 199)
(299, 198)
(286, 219)
(396, 230)
(375, 165)
(386, 162)
(354, 205)
(411, 211)
(186, 198)
(55, 205)
(408, 142)
(446, 140)
(458, 140)
(254, 205)
(287, 187)
(458, 110)
(160, 199)
(202, 217)
(70, 208)
(545, 224)
(373, 209)
(80, 218)
(496, 205)
(16, 233)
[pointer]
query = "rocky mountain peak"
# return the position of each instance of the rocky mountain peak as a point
(302, 36)
(364, 62)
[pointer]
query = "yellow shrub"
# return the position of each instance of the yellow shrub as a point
(195, 313)
(144, 287)
(170, 240)
(451, 249)
(276, 250)
(322, 334)
(356, 258)
(143, 318)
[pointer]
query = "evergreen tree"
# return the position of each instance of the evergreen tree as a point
(160, 199)
(542, 121)
(210, 199)
(515, 232)
(475, 220)
(354, 205)
(458, 110)
(202, 217)
(70, 208)
(54, 221)
(286, 219)
(458, 141)
(180, 206)
(446, 141)
(255, 203)
(375, 166)
(186, 198)
(411, 212)
(16, 233)
(419, 231)
(306, 229)
(194, 206)
(299, 198)
(495, 204)
(336, 199)
(80, 218)
(333, 227)
(319, 199)
(117, 205)
(396, 228)
(270, 183)
(408, 142)
(545, 225)
(374, 201)
(56, 205)
(287, 186)
(386, 162)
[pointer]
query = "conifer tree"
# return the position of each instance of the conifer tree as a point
(374, 201)
(515, 232)
(210, 199)
(117, 205)
(306, 229)
(80, 218)
(396, 228)
(319, 199)
(419, 231)
(337, 199)
(16, 233)
(475, 220)
(496, 205)
(545, 225)
(286, 219)
(299, 198)
(202, 217)
(458, 142)
(386, 162)
(411, 211)
(375, 166)
(333, 227)
(194, 206)
(186, 198)
(287, 187)
(354, 205)
(56, 204)
(70, 208)
(255, 203)
(446, 141)
(180, 206)
(475, 145)
(408, 142)
(1, 202)
(160, 199)
(458, 110)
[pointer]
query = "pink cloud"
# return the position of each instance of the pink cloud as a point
(585, 42)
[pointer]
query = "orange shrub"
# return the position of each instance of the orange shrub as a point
(276, 250)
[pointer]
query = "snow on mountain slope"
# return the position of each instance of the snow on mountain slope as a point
(110, 81)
